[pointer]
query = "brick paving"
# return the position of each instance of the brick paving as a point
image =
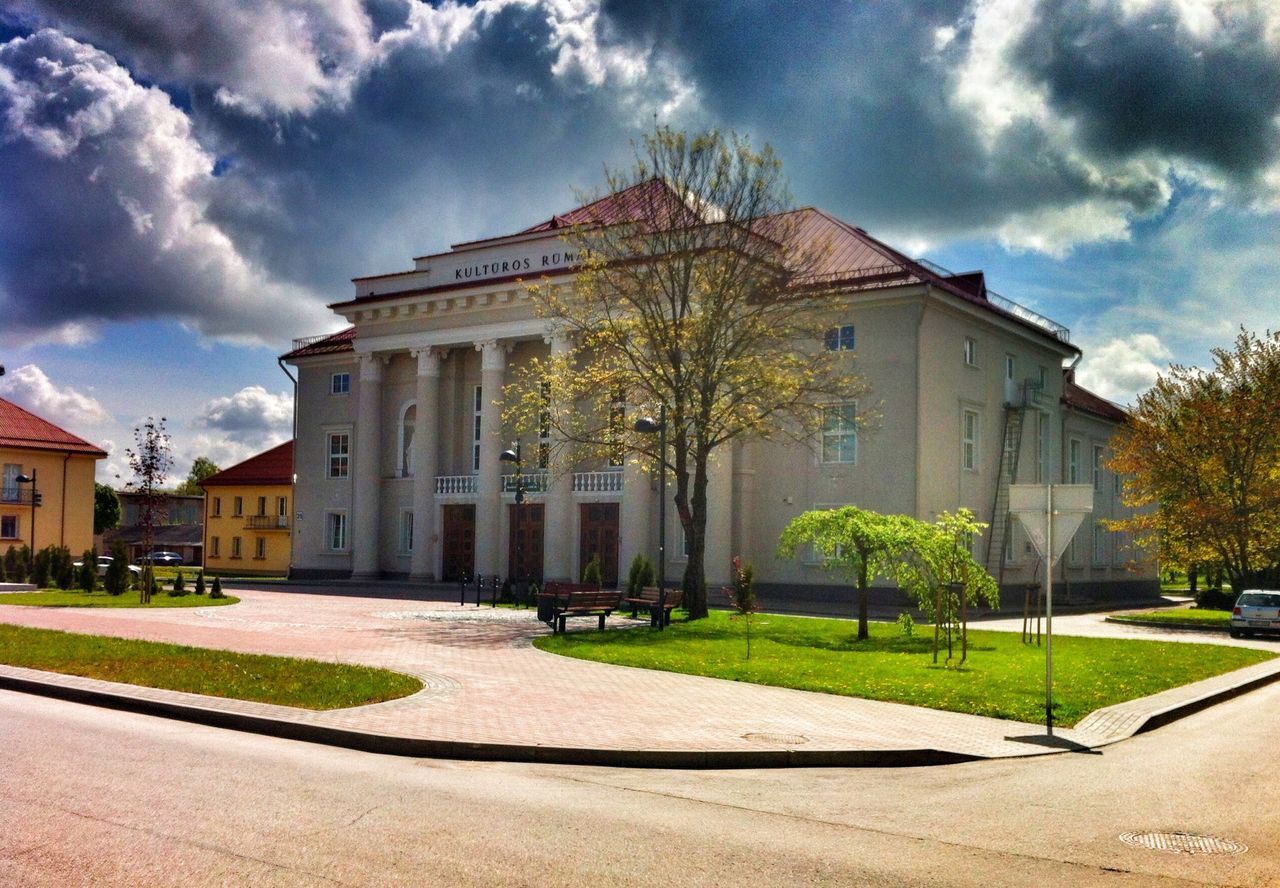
(486, 684)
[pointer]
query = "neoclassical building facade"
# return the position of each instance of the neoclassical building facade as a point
(399, 427)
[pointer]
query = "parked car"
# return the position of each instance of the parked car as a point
(104, 561)
(168, 559)
(1256, 610)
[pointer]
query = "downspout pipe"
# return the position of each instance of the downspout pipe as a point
(62, 521)
(293, 474)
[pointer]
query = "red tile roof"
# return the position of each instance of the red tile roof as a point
(652, 199)
(21, 428)
(323, 345)
(274, 466)
(1079, 398)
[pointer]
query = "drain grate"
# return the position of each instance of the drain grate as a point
(1182, 843)
(779, 739)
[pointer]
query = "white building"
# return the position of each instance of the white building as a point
(398, 429)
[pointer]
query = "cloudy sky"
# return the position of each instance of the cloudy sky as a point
(185, 184)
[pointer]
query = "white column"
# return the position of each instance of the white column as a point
(720, 518)
(558, 546)
(636, 519)
(426, 444)
(367, 482)
(489, 547)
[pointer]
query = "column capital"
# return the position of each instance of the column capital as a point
(493, 354)
(371, 367)
(559, 340)
(428, 360)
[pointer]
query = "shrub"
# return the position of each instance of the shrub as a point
(118, 575)
(906, 624)
(15, 566)
(592, 573)
(62, 568)
(200, 583)
(40, 570)
(641, 575)
(216, 592)
(88, 578)
(179, 586)
(1215, 599)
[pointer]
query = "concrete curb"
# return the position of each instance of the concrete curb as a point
(690, 759)
(1161, 717)
(1165, 624)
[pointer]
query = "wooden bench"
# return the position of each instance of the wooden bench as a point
(560, 601)
(659, 608)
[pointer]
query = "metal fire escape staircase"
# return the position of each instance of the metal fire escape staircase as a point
(1001, 521)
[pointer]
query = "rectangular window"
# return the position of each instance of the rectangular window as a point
(8, 527)
(478, 403)
(1100, 544)
(969, 441)
(971, 351)
(282, 507)
(840, 433)
(1044, 378)
(839, 338)
(262, 506)
(340, 383)
(339, 454)
(237, 507)
(406, 531)
(336, 531)
(1117, 486)
(260, 548)
(9, 493)
(215, 547)
(1097, 468)
(1008, 367)
(235, 547)
(1073, 461)
(217, 507)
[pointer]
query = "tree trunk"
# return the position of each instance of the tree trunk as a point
(695, 575)
(863, 633)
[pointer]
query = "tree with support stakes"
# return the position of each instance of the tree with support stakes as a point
(695, 298)
(150, 460)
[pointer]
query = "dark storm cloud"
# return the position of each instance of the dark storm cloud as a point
(1144, 83)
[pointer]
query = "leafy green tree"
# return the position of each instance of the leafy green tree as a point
(702, 306)
(106, 508)
(88, 578)
(201, 469)
(150, 459)
(742, 594)
(1201, 460)
(858, 543)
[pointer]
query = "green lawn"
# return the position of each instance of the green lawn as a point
(76, 598)
(1185, 615)
(308, 684)
(1003, 678)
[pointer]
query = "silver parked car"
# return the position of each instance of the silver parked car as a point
(104, 561)
(1256, 610)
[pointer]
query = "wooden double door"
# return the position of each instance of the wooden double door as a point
(457, 542)
(598, 535)
(524, 541)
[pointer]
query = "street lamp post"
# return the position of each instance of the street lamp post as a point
(31, 479)
(513, 456)
(647, 425)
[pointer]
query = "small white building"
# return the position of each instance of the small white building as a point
(398, 429)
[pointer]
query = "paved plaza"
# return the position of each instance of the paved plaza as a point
(485, 685)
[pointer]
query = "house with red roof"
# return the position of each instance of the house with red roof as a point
(399, 423)
(46, 491)
(246, 522)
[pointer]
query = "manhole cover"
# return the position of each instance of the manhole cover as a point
(1182, 843)
(779, 739)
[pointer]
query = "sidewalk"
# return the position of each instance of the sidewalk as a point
(488, 694)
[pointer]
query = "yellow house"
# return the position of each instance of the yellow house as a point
(246, 515)
(53, 467)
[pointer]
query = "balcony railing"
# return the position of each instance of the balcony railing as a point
(608, 481)
(534, 482)
(267, 522)
(455, 484)
(18, 495)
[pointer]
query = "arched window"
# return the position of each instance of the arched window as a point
(408, 421)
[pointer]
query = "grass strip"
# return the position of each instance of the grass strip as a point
(1182, 616)
(1003, 677)
(283, 681)
(132, 598)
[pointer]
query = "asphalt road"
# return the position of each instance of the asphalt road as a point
(95, 797)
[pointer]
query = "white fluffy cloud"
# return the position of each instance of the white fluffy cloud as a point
(1122, 368)
(252, 414)
(29, 387)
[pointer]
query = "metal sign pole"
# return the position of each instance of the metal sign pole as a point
(1048, 613)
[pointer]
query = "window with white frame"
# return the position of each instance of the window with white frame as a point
(9, 493)
(840, 433)
(335, 531)
(1097, 467)
(839, 338)
(262, 507)
(406, 531)
(215, 547)
(969, 440)
(282, 509)
(339, 448)
(1009, 367)
(1100, 544)
(1073, 461)
(259, 548)
(1117, 485)
(8, 527)
(408, 423)
(682, 543)
(340, 384)
(971, 351)
(477, 404)
(217, 507)
(235, 547)
(1042, 446)
(237, 507)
